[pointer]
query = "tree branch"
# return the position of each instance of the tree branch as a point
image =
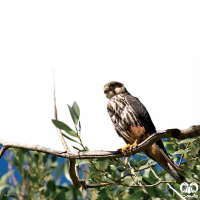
(191, 132)
(3, 149)
(73, 175)
(160, 180)
(140, 183)
(56, 116)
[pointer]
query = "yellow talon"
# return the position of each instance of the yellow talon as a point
(127, 148)
(124, 149)
(133, 145)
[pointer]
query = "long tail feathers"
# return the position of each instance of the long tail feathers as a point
(165, 162)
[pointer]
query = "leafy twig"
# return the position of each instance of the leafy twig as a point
(140, 184)
(183, 154)
(195, 178)
(168, 185)
(56, 116)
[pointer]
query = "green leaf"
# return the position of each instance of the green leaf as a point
(113, 167)
(76, 148)
(4, 178)
(112, 187)
(76, 192)
(20, 155)
(147, 180)
(86, 148)
(187, 140)
(102, 194)
(162, 173)
(187, 171)
(66, 171)
(141, 163)
(109, 170)
(30, 176)
(121, 169)
(73, 115)
(170, 192)
(136, 194)
(132, 162)
(82, 161)
(181, 151)
(139, 178)
(76, 109)
(60, 195)
(64, 127)
(41, 189)
(156, 192)
(116, 162)
(166, 142)
(82, 150)
(69, 138)
(51, 185)
(63, 188)
(198, 167)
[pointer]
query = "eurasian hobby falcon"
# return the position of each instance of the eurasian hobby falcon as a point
(133, 123)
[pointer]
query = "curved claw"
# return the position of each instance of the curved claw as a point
(127, 148)
(133, 145)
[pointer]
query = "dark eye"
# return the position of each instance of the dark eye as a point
(111, 85)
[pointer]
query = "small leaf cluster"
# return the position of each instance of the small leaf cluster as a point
(41, 176)
(189, 149)
(75, 115)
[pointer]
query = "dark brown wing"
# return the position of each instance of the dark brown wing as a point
(144, 117)
(161, 156)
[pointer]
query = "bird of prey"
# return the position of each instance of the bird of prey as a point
(133, 123)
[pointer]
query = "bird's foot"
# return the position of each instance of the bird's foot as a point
(133, 145)
(125, 149)
(128, 148)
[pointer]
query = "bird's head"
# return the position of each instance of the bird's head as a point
(113, 88)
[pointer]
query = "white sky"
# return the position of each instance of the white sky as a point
(153, 47)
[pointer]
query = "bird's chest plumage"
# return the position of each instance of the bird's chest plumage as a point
(122, 116)
(119, 107)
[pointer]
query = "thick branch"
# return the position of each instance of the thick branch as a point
(73, 173)
(191, 132)
(95, 154)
